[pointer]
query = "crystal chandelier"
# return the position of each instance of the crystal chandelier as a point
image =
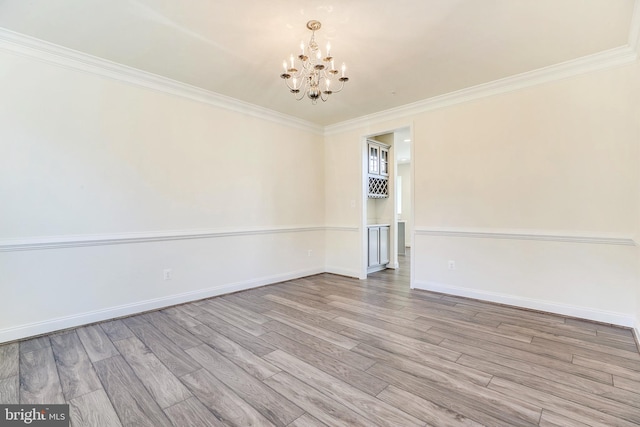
(310, 73)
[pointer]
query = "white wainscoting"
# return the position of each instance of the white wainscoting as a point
(343, 251)
(84, 318)
(53, 283)
(621, 319)
(589, 276)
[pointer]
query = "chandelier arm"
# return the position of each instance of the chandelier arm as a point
(341, 86)
(286, 81)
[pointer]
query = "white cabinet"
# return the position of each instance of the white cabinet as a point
(374, 158)
(384, 245)
(378, 247)
(384, 161)
(374, 246)
(378, 161)
(378, 158)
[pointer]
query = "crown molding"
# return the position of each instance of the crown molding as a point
(31, 47)
(610, 58)
(24, 45)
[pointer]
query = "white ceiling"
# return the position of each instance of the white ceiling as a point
(396, 52)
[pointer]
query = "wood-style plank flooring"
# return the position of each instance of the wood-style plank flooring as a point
(329, 350)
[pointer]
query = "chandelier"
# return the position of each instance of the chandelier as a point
(310, 73)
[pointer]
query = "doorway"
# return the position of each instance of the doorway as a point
(388, 197)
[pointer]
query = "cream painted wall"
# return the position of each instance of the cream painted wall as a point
(89, 158)
(121, 158)
(556, 159)
(559, 157)
(533, 193)
(343, 156)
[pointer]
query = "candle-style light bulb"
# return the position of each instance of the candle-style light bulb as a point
(302, 48)
(284, 65)
(333, 67)
(295, 83)
(328, 49)
(344, 68)
(291, 59)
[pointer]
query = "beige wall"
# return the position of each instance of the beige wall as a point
(558, 159)
(533, 193)
(121, 182)
(344, 203)
(121, 159)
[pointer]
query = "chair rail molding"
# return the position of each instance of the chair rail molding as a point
(541, 235)
(73, 241)
(341, 228)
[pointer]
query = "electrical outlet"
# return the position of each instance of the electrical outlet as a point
(167, 274)
(309, 252)
(452, 264)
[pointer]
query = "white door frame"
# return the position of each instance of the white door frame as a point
(364, 168)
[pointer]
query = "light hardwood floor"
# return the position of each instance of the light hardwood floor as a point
(329, 350)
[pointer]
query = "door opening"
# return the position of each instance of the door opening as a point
(387, 205)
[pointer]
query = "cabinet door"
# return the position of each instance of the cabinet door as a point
(374, 244)
(374, 159)
(384, 161)
(384, 245)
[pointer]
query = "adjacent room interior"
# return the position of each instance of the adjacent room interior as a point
(481, 158)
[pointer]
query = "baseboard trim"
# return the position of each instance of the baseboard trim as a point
(342, 272)
(74, 241)
(377, 268)
(609, 317)
(38, 328)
